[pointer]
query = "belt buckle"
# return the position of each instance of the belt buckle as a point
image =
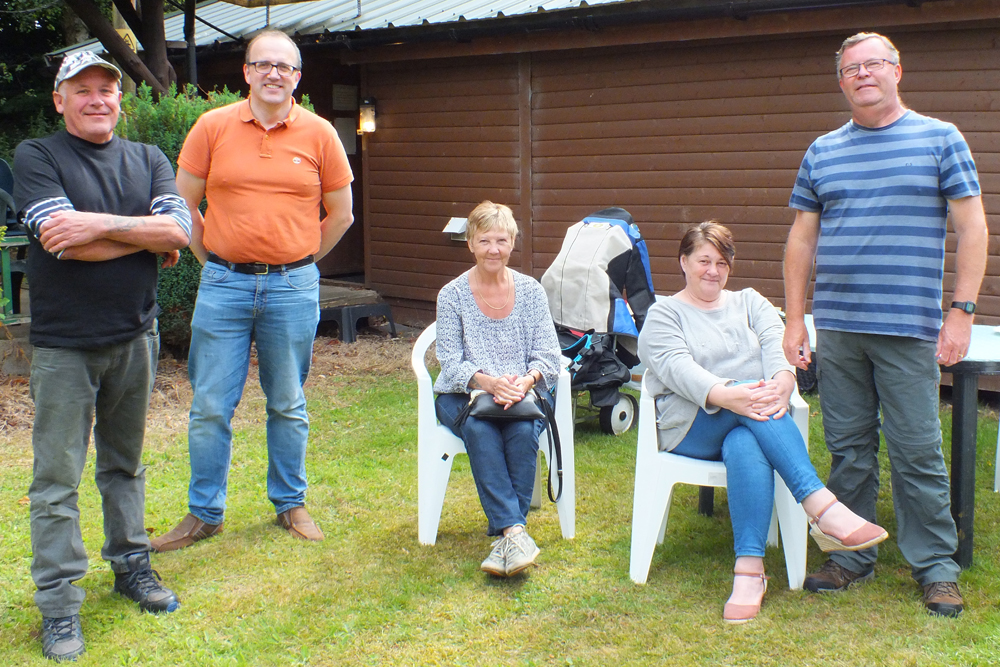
(257, 269)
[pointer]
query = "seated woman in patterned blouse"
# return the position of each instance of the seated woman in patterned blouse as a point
(495, 333)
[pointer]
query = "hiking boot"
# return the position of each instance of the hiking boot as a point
(521, 552)
(62, 638)
(834, 577)
(191, 529)
(942, 598)
(496, 562)
(136, 580)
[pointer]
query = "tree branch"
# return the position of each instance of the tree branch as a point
(102, 29)
(131, 17)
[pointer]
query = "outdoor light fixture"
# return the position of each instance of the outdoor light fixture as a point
(366, 116)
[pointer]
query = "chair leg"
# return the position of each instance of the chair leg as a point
(649, 516)
(772, 531)
(794, 527)
(432, 483)
(996, 474)
(567, 502)
(536, 493)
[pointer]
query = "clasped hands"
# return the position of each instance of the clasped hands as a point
(508, 389)
(760, 400)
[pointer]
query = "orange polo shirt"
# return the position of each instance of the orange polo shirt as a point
(264, 187)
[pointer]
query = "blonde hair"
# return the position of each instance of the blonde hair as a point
(488, 216)
(864, 37)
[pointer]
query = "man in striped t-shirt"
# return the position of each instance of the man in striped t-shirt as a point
(872, 201)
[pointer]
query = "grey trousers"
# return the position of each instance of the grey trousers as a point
(74, 391)
(861, 376)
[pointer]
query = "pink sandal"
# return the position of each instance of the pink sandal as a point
(734, 614)
(866, 536)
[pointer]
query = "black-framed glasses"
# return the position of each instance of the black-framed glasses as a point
(264, 67)
(870, 66)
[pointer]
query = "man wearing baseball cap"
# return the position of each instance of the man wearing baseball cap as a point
(99, 210)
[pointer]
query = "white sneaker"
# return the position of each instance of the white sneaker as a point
(496, 562)
(521, 552)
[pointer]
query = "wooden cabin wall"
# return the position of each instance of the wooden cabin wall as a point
(675, 133)
(447, 139)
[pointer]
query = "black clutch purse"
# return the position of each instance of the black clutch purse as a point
(482, 406)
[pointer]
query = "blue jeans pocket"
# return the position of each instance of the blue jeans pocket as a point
(213, 273)
(304, 278)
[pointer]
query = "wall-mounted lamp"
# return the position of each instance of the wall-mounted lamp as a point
(366, 116)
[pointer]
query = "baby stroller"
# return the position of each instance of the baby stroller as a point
(599, 289)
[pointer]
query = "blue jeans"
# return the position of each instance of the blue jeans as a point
(867, 383)
(752, 452)
(75, 392)
(279, 313)
(502, 455)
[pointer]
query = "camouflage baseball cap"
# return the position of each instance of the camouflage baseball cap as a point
(76, 63)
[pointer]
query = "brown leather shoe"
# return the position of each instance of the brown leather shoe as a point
(298, 522)
(191, 529)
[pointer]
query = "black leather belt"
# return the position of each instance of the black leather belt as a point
(259, 268)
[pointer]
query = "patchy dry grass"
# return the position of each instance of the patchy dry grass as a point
(371, 595)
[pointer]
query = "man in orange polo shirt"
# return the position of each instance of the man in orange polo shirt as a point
(265, 165)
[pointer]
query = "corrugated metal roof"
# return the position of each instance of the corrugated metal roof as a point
(306, 18)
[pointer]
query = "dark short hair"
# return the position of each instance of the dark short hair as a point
(710, 231)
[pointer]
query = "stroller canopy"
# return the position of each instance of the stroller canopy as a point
(600, 279)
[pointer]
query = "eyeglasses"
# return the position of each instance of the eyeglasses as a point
(264, 67)
(870, 66)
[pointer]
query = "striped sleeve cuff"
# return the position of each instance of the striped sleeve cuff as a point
(175, 207)
(38, 213)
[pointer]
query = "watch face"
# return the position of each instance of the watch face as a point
(967, 306)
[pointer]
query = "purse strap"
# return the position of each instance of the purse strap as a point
(555, 447)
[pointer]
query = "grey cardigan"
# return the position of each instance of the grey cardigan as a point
(687, 351)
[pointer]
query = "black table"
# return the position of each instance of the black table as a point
(983, 359)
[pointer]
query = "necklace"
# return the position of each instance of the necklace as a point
(488, 304)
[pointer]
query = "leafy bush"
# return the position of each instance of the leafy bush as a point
(165, 123)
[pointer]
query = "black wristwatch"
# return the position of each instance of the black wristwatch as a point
(966, 306)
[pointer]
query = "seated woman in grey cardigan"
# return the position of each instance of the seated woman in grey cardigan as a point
(722, 388)
(495, 334)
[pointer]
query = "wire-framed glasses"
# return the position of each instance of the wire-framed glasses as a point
(852, 71)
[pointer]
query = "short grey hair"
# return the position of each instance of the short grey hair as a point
(489, 216)
(271, 32)
(863, 37)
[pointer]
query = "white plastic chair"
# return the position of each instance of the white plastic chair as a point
(657, 472)
(437, 447)
(996, 474)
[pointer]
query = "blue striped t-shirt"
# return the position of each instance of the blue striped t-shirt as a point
(882, 197)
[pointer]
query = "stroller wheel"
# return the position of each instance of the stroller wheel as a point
(620, 417)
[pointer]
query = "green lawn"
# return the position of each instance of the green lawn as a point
(371, 595)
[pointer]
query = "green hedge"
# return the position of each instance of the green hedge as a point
(165, 123)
